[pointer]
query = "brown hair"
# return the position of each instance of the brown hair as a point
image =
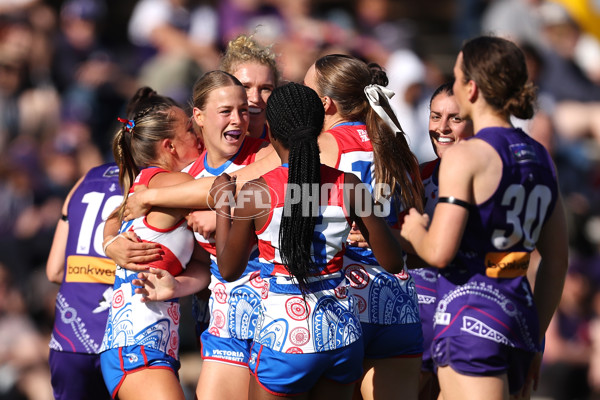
(150, 119)
(498, 68)
(343, 79)
(208, 82)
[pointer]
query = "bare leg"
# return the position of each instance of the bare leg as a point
(257, 392)
(429, 387)
(151, 383)
(455, 386)
(222, 381)
(391, 378)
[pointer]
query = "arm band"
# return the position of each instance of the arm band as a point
(108, 243)
(64, 218)
(454, 200)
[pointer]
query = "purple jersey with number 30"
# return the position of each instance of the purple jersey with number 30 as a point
(484, 292)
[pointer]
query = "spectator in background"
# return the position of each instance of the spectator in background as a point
(566, 363)
(28, 109)
(91, 82)
(174, 41)
(23, 354)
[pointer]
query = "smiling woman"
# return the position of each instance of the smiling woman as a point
(221, 113)
(256, 69)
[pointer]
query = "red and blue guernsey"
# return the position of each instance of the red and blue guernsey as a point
(326, 318)
(84, 297)
(484, 292)
(383, 298)
(233, 305)
(155, 324)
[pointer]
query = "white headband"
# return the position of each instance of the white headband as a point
(373, 92)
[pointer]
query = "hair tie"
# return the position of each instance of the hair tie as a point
(373, 93)
(128, 124)
(304, 133)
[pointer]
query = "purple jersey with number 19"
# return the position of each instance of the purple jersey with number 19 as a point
(84, 298)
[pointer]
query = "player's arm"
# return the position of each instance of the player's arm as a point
(159, 285)
(235, 235)
(55, 265)
(374, 229)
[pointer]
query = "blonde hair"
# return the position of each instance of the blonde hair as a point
(244, 49)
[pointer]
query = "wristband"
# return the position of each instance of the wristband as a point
(110, 242)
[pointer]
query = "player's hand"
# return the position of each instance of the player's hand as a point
(355, 238)
(131, 253)
(224, 185)
(155, 285)
(136, 205)
(203, 221)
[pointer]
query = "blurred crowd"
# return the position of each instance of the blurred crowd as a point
(67, 68)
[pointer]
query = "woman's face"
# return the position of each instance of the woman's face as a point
(446, 127)
(224, 122)
(185, 141)
(259, 82)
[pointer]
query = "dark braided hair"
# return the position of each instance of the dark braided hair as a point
(295, 115)
(135, 147)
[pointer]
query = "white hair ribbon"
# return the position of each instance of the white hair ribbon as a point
(373, 92)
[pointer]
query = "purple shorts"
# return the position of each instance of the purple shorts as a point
(288, 374)
(226, 350)
(397, 340)
(474, 356)
(76, 376)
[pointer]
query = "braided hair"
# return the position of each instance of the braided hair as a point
(295, 115)
(150, 119)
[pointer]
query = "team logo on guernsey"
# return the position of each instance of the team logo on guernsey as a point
(523, 152)
(297, 308)
(111, 171)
